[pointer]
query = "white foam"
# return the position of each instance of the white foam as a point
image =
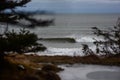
(62, 51)
(87, 38)
(52, 51)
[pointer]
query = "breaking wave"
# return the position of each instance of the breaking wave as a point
(63, 51)
(70, 40)
(53, 51)
(87, 38)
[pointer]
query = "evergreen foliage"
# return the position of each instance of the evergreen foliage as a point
(22, 41)
(110, 44)
(8, 14)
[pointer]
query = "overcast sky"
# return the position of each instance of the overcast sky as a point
(76, 6)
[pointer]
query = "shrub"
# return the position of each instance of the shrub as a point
(111, 43)
(22, 41)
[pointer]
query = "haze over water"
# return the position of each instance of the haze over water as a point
(72, 24)
(77, 26)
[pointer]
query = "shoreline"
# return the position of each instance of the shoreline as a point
(91, 59)
(89, 72)
(45, 67)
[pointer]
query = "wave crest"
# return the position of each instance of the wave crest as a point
(62, 51)
(70, 40)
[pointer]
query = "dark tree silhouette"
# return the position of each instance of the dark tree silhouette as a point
(110, 44)
(10, 5)
(22, 41)
(13, 17)
(86, 50)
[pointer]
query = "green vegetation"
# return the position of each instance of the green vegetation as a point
(23, 41)
(26, 67)
(10, 15)
(20, 42)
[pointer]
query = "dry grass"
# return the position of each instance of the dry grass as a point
(12, 71)
(91, 59)
(48, 71)
(22, 60)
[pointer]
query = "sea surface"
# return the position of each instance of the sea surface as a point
(73, 26)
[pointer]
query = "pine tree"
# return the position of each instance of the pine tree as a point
(110, 44)
(9, 15)
(22, 41)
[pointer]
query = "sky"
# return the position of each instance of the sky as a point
(75, 6)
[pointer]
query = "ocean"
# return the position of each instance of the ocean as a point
(59, 37)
